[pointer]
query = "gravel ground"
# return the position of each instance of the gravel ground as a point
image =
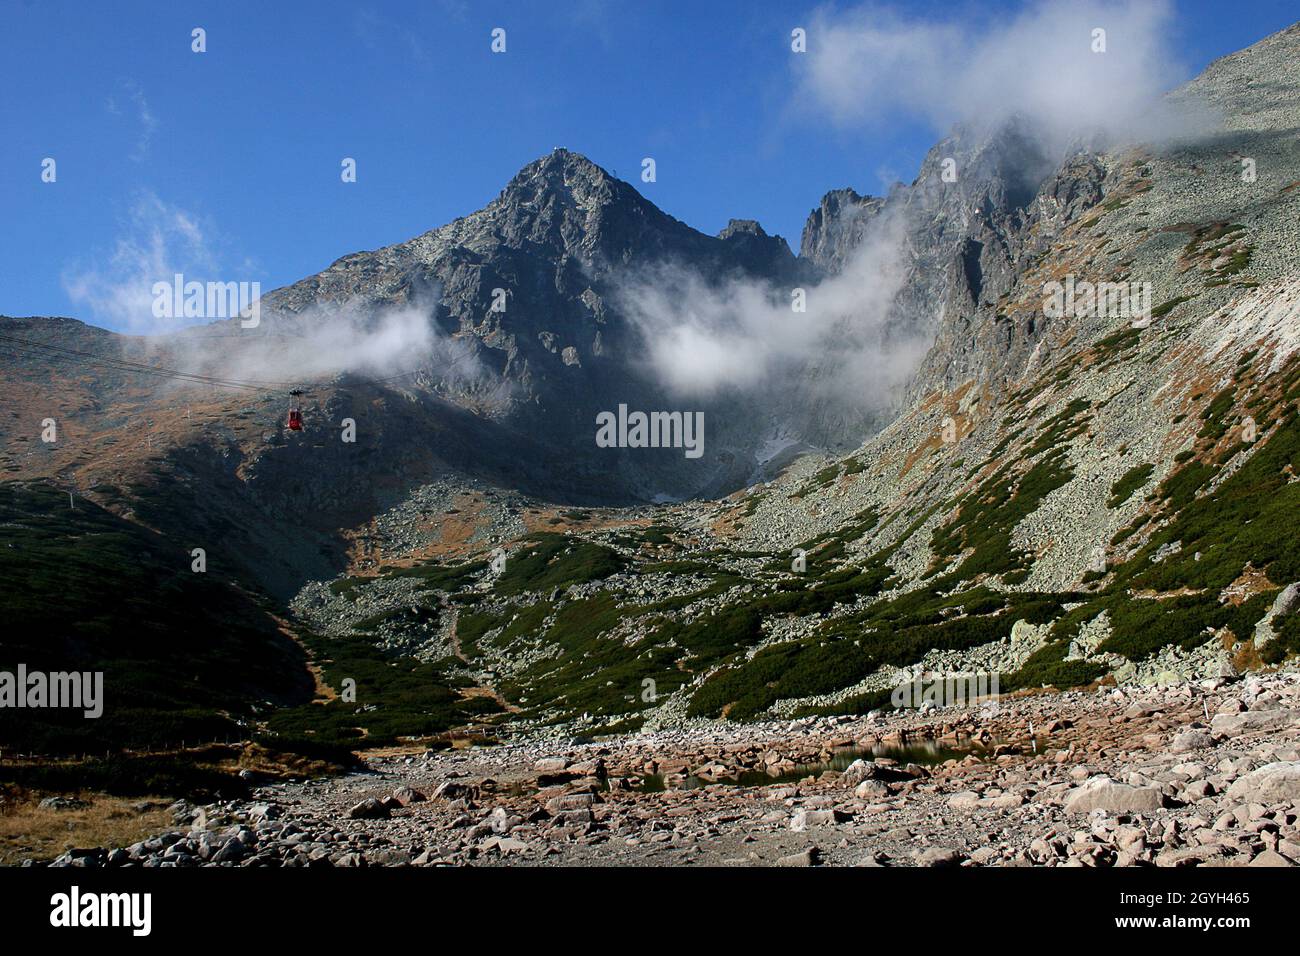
(1203, 773)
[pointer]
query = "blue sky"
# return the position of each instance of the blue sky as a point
(237, 150)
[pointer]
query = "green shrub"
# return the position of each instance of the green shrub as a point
(1129, 482)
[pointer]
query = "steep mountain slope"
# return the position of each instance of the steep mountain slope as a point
(1142, 473)
(215, 466)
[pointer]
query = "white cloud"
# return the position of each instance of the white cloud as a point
(159, 240)
(398, 341)
(873, 65)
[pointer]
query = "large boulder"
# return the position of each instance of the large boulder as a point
(804, 818)
(1190, 740)
(1102, 793)
(1272, 783)
(859, 771)
(408, 795)
(453, 790)
(1230, 725)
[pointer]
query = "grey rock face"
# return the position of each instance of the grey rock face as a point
(836, 227)
(984, 203)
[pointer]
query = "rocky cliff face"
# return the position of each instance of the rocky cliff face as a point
(990, 203)
(984, 201)
(836, 228)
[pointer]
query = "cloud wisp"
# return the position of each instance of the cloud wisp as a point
(749, 335)
(385, 342)
(157, 241)
(149, 122)
(160, 241)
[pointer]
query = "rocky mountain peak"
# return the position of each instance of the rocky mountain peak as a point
(742, 227)
(565, 173)
(759, 252)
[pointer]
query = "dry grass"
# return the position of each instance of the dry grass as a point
(29, 833)
(1250, 582)
(1247, 658)
(272, 763)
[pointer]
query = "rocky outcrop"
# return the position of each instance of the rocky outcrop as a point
(984, 202)
(1287, 602)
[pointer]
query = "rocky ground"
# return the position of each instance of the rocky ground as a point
(1197, 774)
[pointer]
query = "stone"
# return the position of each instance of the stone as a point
(1008, 801)
(1270, 858)
(1102, 793)
(1287, 602)
(985, 855)
(369, 809)
(803, 818)
(232, 851)
(390, 856)
(808, 857)
(451, 790)
(1230, 725)
(1211, 855)
(1190, 740)
(858, 771)
(938, 856)
(871, 790)
(63, 803)
(570, 801)
(966, 800)
(264, 811)
(1277, 782)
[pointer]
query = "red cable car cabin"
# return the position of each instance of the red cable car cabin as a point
(295, 411)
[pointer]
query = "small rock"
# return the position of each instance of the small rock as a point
(369, 809)
(808, 857)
